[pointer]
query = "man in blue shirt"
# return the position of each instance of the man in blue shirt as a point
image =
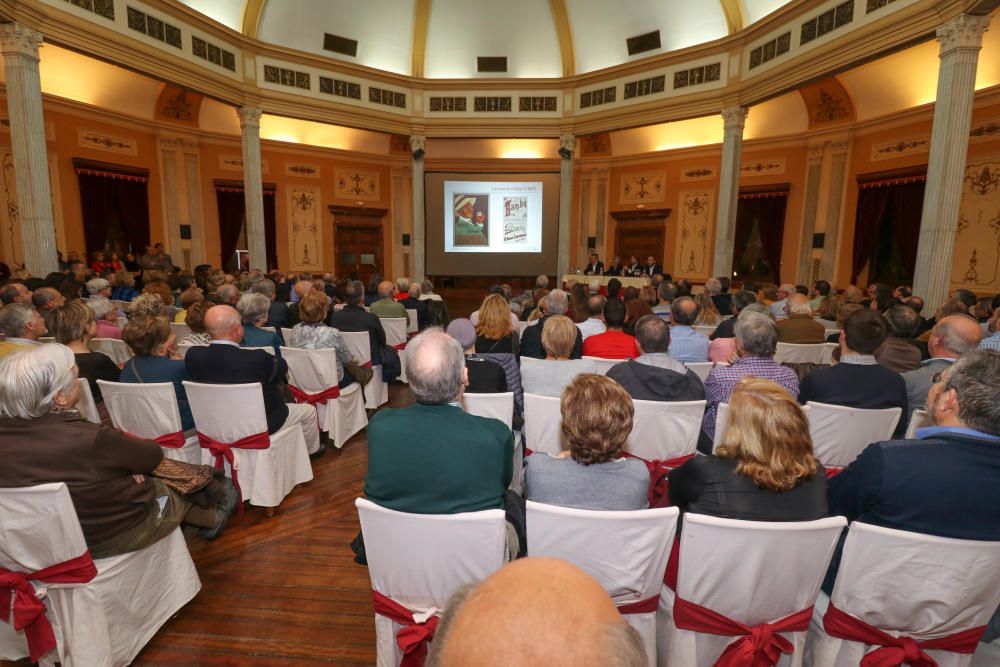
(686, 344)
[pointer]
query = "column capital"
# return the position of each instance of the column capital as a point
(249, 117)
(965, 31)
(815, 151)
(18, 39)
(418, 143)
(734, 117)
(567, 142)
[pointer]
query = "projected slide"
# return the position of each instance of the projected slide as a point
(492, 216)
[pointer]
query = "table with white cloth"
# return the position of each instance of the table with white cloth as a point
(571, 279)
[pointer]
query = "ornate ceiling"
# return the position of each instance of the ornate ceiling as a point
(441, 39)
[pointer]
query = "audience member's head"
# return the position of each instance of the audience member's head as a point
(853, 294)
(524, 605)
(556, 302)
(229, 294)
(595, 306)
(652, 334)
(821, 288)
(253, 309)
(21, 320)
(494, 318)
(967, 297)
(103, 309)
(47, 298)
(713, 286)
(463, 331)
(148, 336)
(403, 285)
(435, 367)
(146, 304)
(953, 336)
(542, 282)
(190, 297)
(558, 337)
(635, 309)
(725, 283)
(797, 304)
(14, 293)
(966, 395)
(72, 323)
(266, 287)
(596, 418)
(829, 307)
(756, 335)
(614, 288)
(768, 434)
(314, 307)
(224, 323)
(614, 314)
(667, 291)
(385, 289)
(684, 311)
(983, 309)
(354, 293)
(846, 310)
(195, 319)
(38, 381)
(903, 322)
(98, 287)
(741, 300)
(864, 332)
(648, 295)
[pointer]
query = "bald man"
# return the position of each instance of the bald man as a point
(387, 306)
(535, 611)
(225, 362)
(950, 338)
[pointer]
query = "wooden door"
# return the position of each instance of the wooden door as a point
(641, 239)
(358, 243)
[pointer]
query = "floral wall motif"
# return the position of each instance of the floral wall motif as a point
(697, 173)
(977, 242)
(106, 142)
(642, 188)
(305, 234)
(763, 167)
(694, 220)
(235, 163)
(357, 184)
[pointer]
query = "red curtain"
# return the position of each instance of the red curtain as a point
(231, 221)
(906, 206)
(106, 195)
(768, 211)
(896, 203)
(270, 230)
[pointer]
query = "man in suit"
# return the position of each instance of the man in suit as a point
(633, 268)
(655, 375)
(858, 381)
(651, 268)
(354, 317)
(224, 362)
(950, 338)
(616, 268)
(799, 326)
(898, 353)
(946, 482)
(722, 300)
(432, 457)
(413, 302)
(595, 267)
(556, 303)
(740, 300)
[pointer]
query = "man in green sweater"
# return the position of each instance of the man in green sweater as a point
(386, 306)
(432, 457)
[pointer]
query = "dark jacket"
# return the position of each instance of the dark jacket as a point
(531, 341)
(898, 354)
(356, 318)
(649, 383)
(420, 306)
(220, 363)
(726, 329)
(857, 386)
(257, 337)
(723, 303)
(485, 377)
(277, 314)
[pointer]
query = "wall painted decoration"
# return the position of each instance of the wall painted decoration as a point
(637, 188)
(357, 184)
(304, 223)
(977, 242)
(693, 224)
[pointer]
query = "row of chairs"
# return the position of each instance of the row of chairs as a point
(739, 584)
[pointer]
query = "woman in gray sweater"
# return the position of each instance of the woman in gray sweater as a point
(592, 474)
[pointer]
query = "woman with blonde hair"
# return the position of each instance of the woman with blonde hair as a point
(593, 472)
(549, 376)
(494, 330)
(764, 469)
(709, 315)
(124, 286)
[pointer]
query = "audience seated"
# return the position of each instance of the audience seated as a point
(485, 376)
(124, 289)
(224, 362)
(946, 482)
(427, 292)
(950, 338)
(312, 334)
(828, 310)
(756, 342)
(21, 326)
(121, 506)
(15, 292)
(708, 314)
(738, 302)
(253, 309)
(687, 345)
(858, 381)
(494, 289)
(412, 302)
(98, 288)
(763, 470)
(592, 474)
(525, 606)
(900, 352)
(635, 309)
(188, 298)
(277, 311)
(614, 343)
(156, 360)
(721, 299)
(494, 330)
(550, 376)
(74, 326)
(779, 303)
(106, 315)
(354, 317)
(799, 325)
(992, 342)
(655, 375)
(666, 292)
(556, 303)
(195, 321)
(594, 322)
(45, 299)
(821, 290)
(301, 288)
(387, 306)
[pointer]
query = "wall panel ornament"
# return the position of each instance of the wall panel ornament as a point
(637, 188)
(11, 245)
(306, 236)
(357, 184)
(900, 147)
(693, 258)
(976, 263)
(301, 169)
(235, 163)
(697, 173)
(763, 167)
(982, 131)
(107, 142)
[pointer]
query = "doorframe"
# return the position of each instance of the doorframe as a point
(640, 219)
(377, 217)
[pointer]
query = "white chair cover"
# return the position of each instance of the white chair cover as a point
(722, 421)
(230, 412)
(832, 332)
(800, 353)
(908, 584)
(521, 326)
(314, 371)
(180, 330)
(85, 405)
(286, 335)
(662, 430)
(839, 433)
(395, 334)
(626, 552)
(918, 420)
(267, 348)
(542, 424)
(107, 621)
(705, 329)
(149, 410)
(750, 571)
(184, 347)
(419, 560)
(271, 329)
(413, 322)
(495, 406)
(118, 350)
(603, 364)
(703, 368)
(987, 655)
(376, 391)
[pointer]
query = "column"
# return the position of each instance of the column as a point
(567, 142)
(417, 144)
(253, 187)
(733, 119)
(837, 183)
(27, 135)
(826, 177)
(402, 199)
(961, 39)
(182, 206)
(808, 259)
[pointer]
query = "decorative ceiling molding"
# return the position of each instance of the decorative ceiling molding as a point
(253, 10)
(736, 17)
(561, 19)
(421, 19)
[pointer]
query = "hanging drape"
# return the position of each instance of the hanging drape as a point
(270, 230)
(895, 201)
(767, 209)
(906, 205)
(105, 194)
(96, 204)
(231, 221)
(132, 199)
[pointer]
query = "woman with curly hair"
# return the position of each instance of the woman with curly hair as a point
(196, 322)
(494, 330)
(592, 472)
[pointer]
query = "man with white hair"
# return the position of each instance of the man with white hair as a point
(799, 325)
(556, 303)
(542, 282)
(778, 307)
(98, 288)
(277, 312)
(225, 362)
(22, 326)
(402, 288)
(427, 292)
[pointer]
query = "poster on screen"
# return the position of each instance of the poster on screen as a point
(485, 216)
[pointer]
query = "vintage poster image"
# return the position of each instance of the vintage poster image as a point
(471, 219)
(515, 220)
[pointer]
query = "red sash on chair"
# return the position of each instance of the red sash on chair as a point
(223, 451)
(832, 471)
(647, 606)
(399, 346)
(414, 637)
(658, 495)
(896, 650)
(757, 646)
(313, 399)
(29, 611)
(168, 440)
